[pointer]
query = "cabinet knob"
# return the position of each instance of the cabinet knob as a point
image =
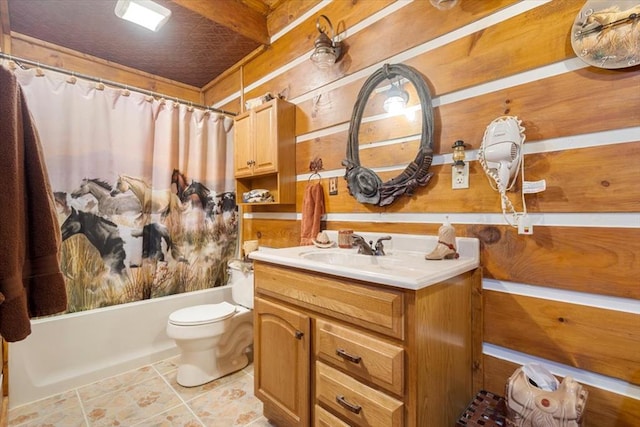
(351, 358)
(349, 406)
(299, 335)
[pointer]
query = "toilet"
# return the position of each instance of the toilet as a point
(214, 338)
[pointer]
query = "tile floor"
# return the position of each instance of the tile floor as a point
(148, 396)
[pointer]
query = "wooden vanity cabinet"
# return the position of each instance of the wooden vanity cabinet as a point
(282, 362)
(373, 355)
(264, 150)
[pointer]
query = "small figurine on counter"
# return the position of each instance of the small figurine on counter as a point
(446, 247)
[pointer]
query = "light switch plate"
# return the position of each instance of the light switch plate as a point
(333, 186)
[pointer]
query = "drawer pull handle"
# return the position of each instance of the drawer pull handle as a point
(349, 406)
(299, 335)
(355, 359)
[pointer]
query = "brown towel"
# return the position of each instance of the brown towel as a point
(31, 283)
(312, 211)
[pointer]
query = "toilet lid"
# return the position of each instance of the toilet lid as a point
(201, 314)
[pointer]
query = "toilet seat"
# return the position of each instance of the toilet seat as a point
(202, 314)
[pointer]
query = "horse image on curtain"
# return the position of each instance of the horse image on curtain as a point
(143, 190)
(108, 204)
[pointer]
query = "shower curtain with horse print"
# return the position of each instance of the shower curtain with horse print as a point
(143, 187)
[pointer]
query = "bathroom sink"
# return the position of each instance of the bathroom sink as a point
(348, 259)
(403, 265)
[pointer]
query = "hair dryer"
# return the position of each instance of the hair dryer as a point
(502, 150)
(501, 155)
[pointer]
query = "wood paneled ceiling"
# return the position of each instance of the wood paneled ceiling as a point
(202, 39)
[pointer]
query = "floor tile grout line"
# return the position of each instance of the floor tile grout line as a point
(37, 401)
(156, 372)
(228, 384)
(184, 402)
(84, 412)
(141, 422)
(49, 413)
(166, 380)
(121, 388)
(120, 385)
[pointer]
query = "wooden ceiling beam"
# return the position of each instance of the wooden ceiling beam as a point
(258, 5)
(233, 15)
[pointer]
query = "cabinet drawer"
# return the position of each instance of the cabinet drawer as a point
(374, 308)
(323, 418)
(361, 405)
(362, 355)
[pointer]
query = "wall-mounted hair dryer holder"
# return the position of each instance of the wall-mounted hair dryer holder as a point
(501, 157)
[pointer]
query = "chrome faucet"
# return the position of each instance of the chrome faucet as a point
(379, 248)
(368, 248)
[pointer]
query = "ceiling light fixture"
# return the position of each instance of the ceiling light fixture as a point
(146, 13)
(444, 4)
(397, 99)
(327, 50)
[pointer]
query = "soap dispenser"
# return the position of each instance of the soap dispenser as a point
(446, 247)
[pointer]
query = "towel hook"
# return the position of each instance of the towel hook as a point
(314, 166)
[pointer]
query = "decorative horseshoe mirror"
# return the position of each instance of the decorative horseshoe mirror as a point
(363, 183)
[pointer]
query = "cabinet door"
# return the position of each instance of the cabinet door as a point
(243, 145)
(266, 139)
(282, 362)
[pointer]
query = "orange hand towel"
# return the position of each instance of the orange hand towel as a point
(312, 211)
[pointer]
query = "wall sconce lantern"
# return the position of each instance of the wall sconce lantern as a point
(397, 99)
(327, 50)
(460, 172)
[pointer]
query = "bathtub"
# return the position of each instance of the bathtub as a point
(71, 350)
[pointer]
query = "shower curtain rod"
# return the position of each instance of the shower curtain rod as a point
(19, 61)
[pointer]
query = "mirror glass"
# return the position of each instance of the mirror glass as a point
(388, 141)
(384, 135)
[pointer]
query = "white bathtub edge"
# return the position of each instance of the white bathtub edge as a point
(69, 351)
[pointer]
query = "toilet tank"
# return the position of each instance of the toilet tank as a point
(241, 282)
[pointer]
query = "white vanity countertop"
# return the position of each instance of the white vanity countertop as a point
(403, 266)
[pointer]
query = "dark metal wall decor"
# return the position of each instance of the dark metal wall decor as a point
(363, 183)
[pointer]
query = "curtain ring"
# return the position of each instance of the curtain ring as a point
(39, 72)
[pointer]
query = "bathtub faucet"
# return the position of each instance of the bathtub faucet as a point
(368, 248)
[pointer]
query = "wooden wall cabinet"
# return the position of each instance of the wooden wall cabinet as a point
(264, 158)
(332, 351)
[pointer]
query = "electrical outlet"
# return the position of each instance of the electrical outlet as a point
(525, 226)
(460, 177)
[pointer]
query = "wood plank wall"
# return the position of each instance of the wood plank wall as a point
(545, 295)
(46, 53)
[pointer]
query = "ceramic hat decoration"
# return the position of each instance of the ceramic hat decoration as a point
(322, 241)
